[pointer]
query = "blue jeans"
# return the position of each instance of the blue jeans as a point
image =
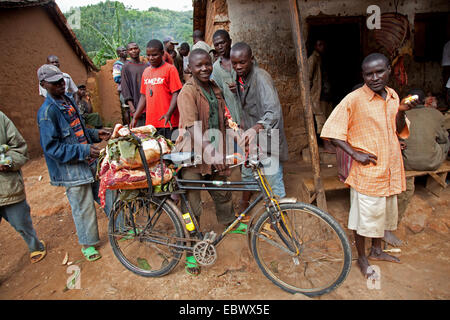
(275, 179)
(81, 199)
(18, 215)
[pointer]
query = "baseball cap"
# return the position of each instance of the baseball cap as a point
(172, 41)
(49, 73)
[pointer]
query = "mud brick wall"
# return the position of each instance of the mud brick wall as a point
(28, 36)
(265, 26)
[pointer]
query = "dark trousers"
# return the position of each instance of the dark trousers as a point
(222, 199)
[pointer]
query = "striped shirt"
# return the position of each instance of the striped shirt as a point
(75, 124)
(367, 123)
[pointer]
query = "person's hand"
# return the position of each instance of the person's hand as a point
(132, 108)
(104, 134)
(408, 103)
(166, 118)
(94, 152)
(232, 87)
(364, 158)
(133, 123)
(258, 127)
(220, 167)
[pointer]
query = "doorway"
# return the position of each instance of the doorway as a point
(344, 51)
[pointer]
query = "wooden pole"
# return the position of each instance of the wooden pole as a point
(302, 63)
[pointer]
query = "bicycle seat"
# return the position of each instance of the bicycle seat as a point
(179, 157)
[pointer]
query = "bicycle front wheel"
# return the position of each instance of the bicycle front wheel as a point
(144, 235)
(310, 254)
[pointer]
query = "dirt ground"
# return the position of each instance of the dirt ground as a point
(423, 273)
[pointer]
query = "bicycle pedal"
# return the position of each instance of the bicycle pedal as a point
(210, 236)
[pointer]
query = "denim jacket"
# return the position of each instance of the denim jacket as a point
(66, 158)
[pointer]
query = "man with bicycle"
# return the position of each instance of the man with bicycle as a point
(202, 127)
(262, 116)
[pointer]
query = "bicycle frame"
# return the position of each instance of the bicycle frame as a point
(258, 186)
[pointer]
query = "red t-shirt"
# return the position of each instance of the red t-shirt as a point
(158, 85)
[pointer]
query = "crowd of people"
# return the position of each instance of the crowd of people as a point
(174, 89)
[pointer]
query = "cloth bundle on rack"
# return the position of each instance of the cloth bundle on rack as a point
(120, 165)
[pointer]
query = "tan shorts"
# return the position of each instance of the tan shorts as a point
(371, 216)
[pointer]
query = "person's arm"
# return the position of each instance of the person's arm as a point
(269, 102)
(361, 157)
(189, 116)
(210, 154)
(125, 83)
(17, 145)
(88, 105)
(140, 108)
(442, 135)
(172, 107)
(52, 145)
(400, 118)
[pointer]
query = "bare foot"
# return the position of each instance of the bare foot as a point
(365, 267)
(378, 255)
(391, 239)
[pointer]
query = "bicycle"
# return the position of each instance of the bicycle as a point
(297, 246)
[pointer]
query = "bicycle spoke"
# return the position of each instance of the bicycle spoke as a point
(322, 262)
(145, 252)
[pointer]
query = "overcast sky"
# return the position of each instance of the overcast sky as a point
(176, 5)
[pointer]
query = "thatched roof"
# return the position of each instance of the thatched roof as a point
(60, 21)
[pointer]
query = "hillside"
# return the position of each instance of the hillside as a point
(106, 25)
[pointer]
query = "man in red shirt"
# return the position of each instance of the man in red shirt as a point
(160, 86)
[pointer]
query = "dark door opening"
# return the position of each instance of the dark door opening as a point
(343, 56)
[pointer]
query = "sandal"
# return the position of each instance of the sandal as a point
(37, 253)
(129, 235)
(192, 267)
(241, 229)
(90, 253)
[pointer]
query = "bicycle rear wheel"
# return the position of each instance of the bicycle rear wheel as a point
(324, 254)
(141, 232)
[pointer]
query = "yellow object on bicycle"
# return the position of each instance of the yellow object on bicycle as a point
(188, 222)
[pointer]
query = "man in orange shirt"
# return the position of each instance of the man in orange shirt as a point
(366, 124)
(160, 86)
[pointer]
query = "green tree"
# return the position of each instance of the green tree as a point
(109, 24)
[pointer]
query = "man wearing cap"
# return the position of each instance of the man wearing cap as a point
(169, 46)
(71, 156)
(71, 87)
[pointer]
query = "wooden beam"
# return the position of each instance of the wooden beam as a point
(300, 52)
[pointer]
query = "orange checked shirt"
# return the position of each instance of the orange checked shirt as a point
(367, 123)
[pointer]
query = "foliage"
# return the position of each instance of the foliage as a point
(108, 25)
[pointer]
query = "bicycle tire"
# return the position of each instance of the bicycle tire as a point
(135, 251)
(266, 247)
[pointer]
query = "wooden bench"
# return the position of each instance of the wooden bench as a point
(436, 182)
(329, 184)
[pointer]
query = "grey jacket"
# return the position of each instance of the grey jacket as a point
(260, 104)
(12, 189)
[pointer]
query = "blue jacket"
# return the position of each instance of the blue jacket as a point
(66, 158)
